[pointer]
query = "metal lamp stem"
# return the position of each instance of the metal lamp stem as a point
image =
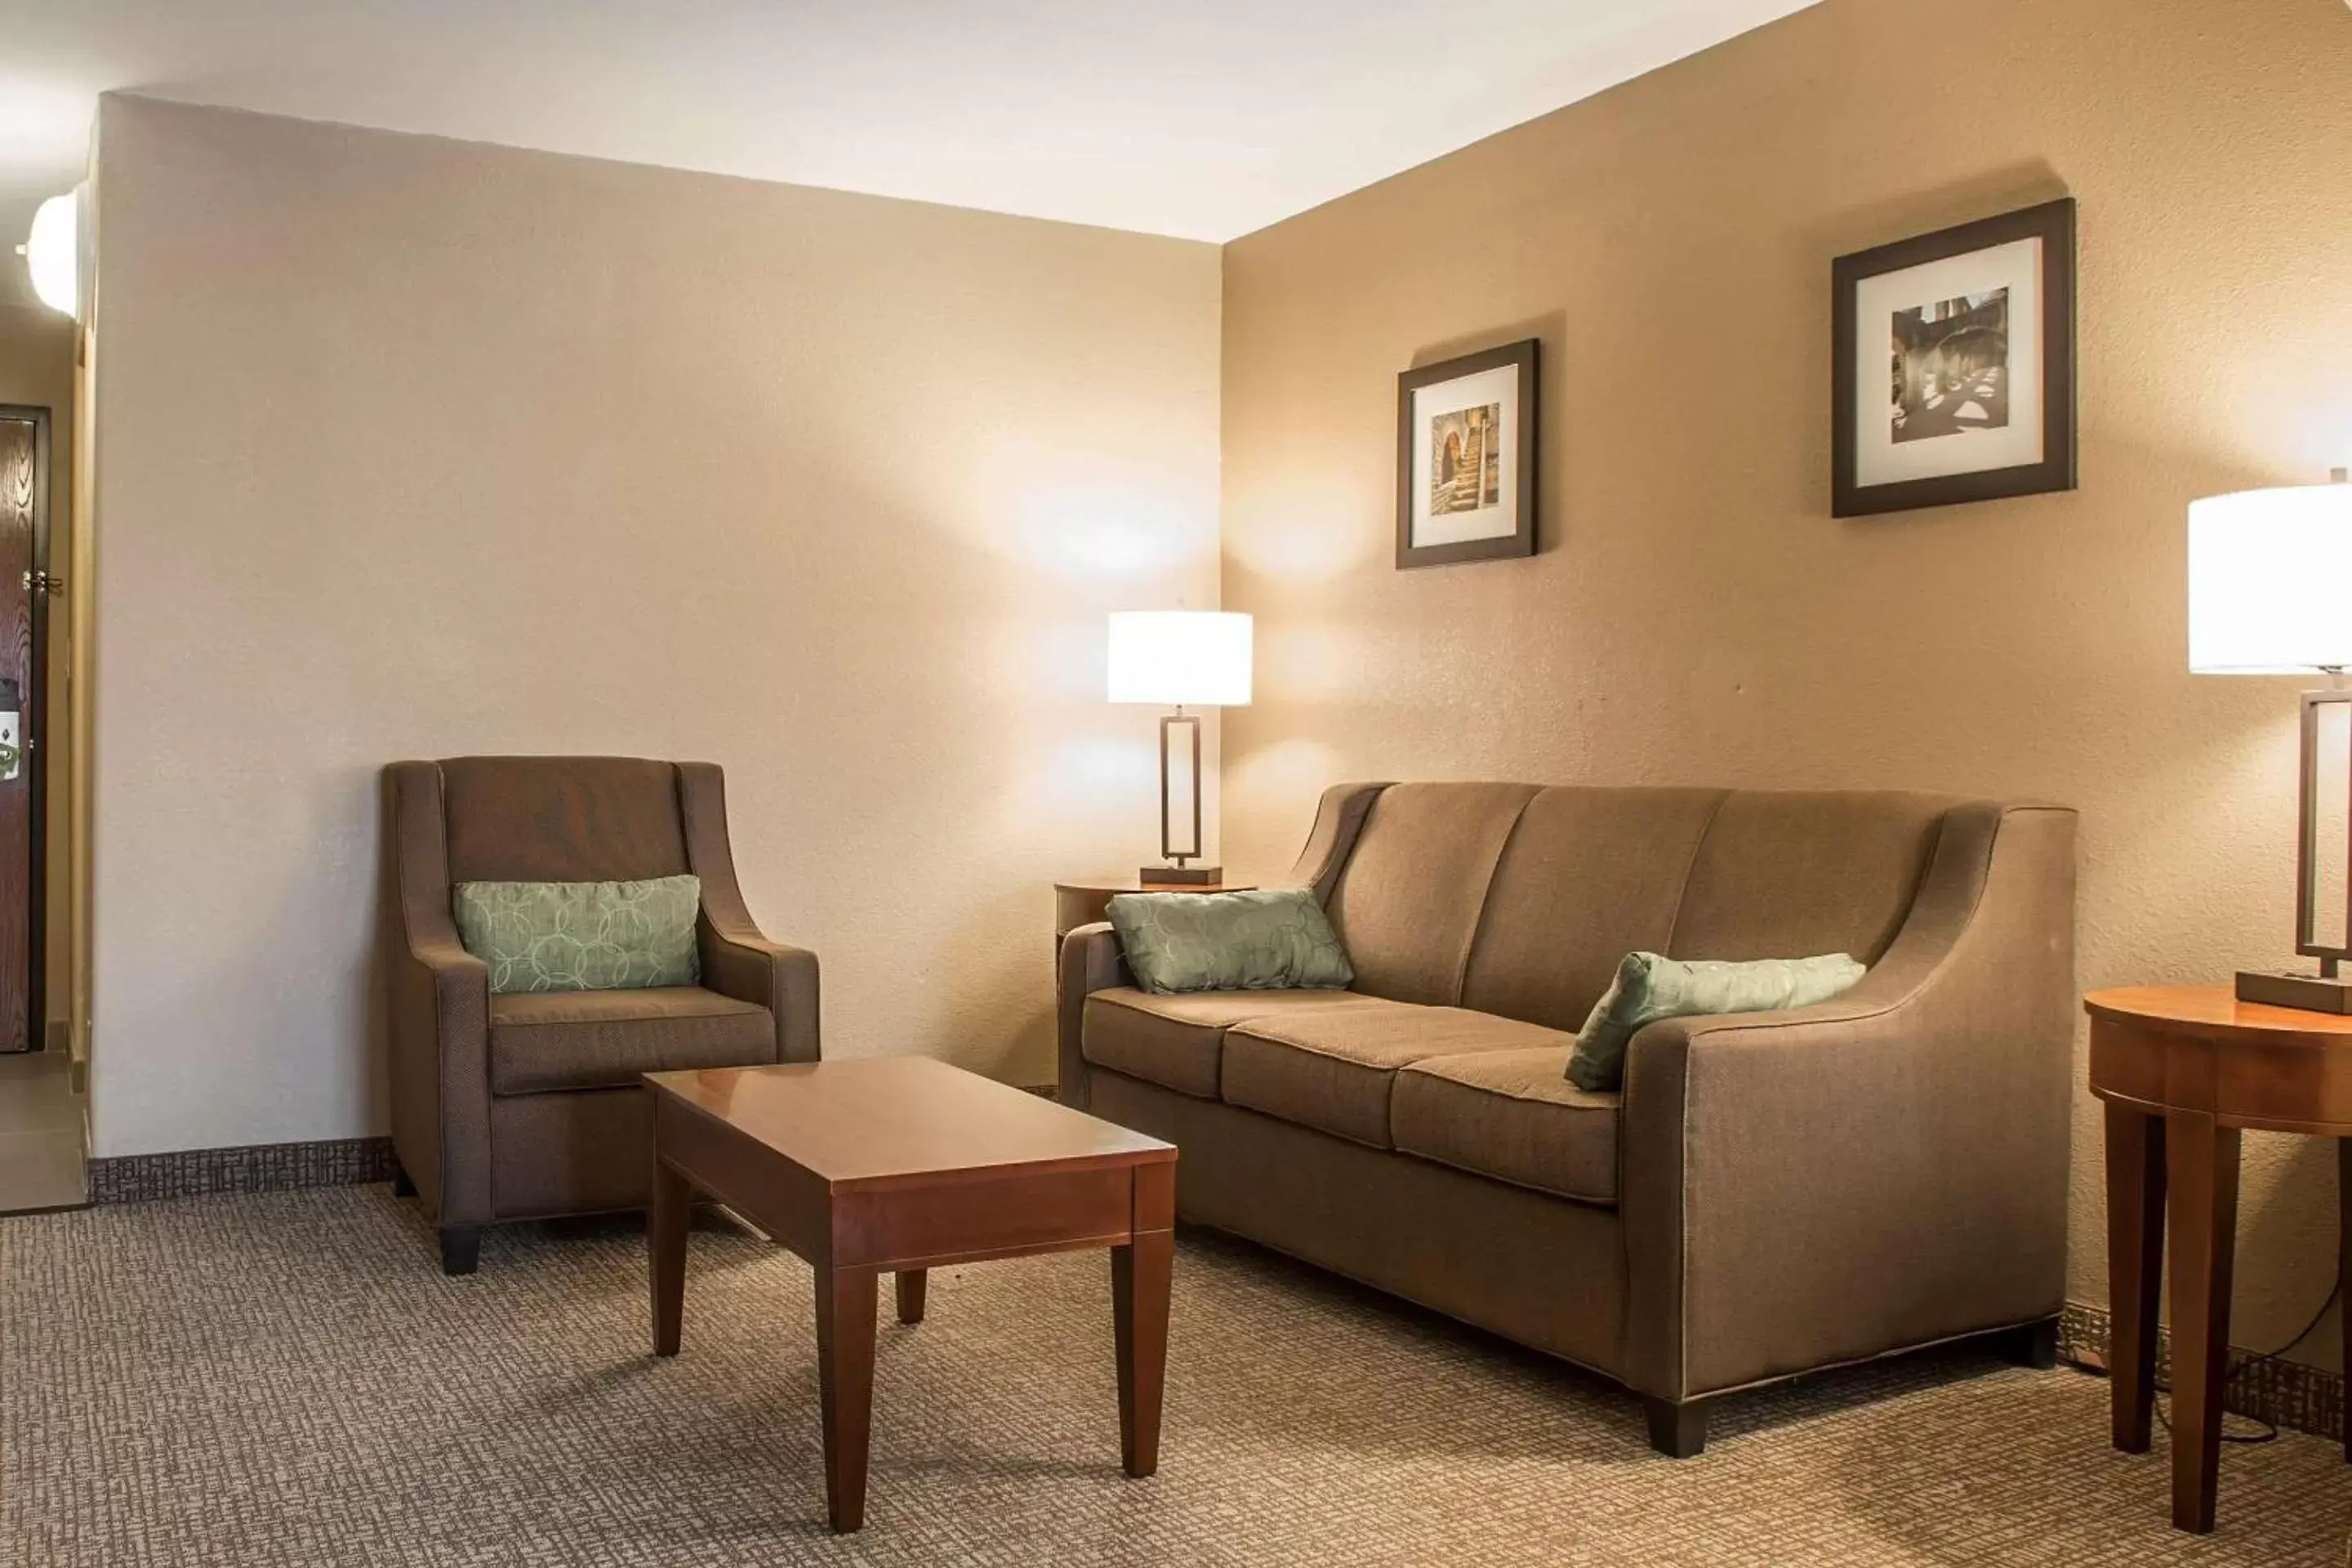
(1178, 870)
(2326, 991)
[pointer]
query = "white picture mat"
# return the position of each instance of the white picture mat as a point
(1878, 459)
(1499, 521)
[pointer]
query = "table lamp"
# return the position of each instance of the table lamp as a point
(2270, 593)
(1173, 658)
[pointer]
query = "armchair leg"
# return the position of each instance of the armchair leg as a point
(2034, 1345)
(461, 1249)
(1678, 1427)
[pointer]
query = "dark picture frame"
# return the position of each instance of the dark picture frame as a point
(1518, 434)
(1855, 493)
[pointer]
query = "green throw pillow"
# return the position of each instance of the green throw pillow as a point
(583, 936)
(1273, 940)
(1648, 988)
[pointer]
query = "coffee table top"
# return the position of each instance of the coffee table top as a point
(882, 1120)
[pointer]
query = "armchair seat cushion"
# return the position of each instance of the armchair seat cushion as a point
(1510, 1115)
(542, 1040)
(1175, 1040)
(1333, 1071)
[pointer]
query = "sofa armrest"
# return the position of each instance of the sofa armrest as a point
(1090, 961)
(737, 962)
(437, 1001)
(1884, 1170)
(1338, 818)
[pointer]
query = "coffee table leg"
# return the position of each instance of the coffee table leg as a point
(910, 1294)
(844, 1356)
(1139, 1303)
(665, 1218)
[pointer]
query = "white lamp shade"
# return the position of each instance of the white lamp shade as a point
(1176, 658)
(53, 252)
(2269, 581)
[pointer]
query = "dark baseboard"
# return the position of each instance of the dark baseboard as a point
(254, 1168)
(2286, 1393)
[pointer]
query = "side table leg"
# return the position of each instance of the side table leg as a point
(2203, 1159)
(2344, 1262)
(665, 1218)
(2135, 1268)
(844, 1356)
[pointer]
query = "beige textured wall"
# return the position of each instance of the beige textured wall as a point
(1695, 615)
(36, 366)
(418, 448)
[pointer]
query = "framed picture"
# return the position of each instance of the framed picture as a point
(1954, 366)
(1466, 458)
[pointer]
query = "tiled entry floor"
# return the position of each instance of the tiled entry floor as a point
(41, 1139)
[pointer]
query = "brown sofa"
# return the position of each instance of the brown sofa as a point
(1769, 1194)
(528, 1106)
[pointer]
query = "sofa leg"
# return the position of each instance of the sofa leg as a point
(461, 1249)
(402, 1187)
(2034, 1345)
(1678, 1427)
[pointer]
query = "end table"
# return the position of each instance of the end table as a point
(2183, 1071)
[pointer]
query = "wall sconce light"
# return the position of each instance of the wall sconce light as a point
(52, 252)
(2268, 575)
(1171, 658)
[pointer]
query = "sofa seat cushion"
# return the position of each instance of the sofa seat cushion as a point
(1176, 1041)
(542, 1040)
(1333, 1070)
(1510, 1115)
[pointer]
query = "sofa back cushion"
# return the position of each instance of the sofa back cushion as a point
(562, 819)
(1406, 906)
(1781, 875)
(1521, 900)
(1589, 876)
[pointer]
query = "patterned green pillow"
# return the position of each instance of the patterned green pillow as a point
(583, 936)
(1271, 940)
(1650, 986)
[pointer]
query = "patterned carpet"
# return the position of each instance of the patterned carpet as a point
(289, 1379)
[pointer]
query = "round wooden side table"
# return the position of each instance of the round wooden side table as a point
(1079, 904)
(2183, 1071)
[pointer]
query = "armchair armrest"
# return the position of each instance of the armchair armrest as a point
(1888, 1169)
(437, 998)
(737, 960)
(1091, 962)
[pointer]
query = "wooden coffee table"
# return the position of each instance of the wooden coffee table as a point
(903, 1164)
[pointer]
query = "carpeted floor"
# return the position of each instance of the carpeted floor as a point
(289, 1379)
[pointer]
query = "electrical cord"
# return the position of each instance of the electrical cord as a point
(2269, 1431)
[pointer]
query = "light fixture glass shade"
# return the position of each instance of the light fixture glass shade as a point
(53, 252)
(1176, 658)
(2269, 581)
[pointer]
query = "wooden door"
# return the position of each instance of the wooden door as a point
(24, 540)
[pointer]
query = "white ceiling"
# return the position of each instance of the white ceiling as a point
(1199, 118)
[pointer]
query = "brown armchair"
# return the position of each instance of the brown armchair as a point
(528, 1106)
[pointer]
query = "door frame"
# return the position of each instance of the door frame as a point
(33, 731)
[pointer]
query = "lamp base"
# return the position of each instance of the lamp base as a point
(1180, 876)
(2292, 988)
